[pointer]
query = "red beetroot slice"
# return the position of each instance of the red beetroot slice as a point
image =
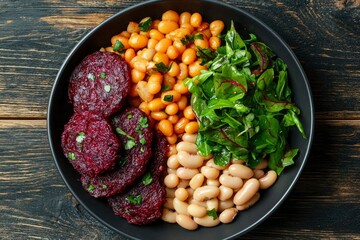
(135, 134)
(143, 203)
(100, 83)
(90, 144)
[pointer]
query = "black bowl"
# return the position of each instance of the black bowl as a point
(60, 111)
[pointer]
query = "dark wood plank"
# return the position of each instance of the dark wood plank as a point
(34, 201)
(31, 56)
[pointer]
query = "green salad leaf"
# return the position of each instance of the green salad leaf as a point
(243, 104)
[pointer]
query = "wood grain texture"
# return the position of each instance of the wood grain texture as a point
(35, 38)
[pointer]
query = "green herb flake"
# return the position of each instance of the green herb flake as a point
(138, 130)
(130, 116)
(191, 38)
(142, 140)
(123, 161)
(143, 121)
(107, 88)
(168, 98)
(80, 137)
(130, 144)
(91, 76)
(165, 88)
(91, 188)
(72, 156)
(212, 213)
(145, 25)
(147, 179)
(122, 132)
(104, 186)
(118, 45)
(161, 67)
(142, 149)
(136, 200)
(103, 75)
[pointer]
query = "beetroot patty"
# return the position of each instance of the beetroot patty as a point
(89, 143)
(100, 83)
(143, 203)
(135, 134)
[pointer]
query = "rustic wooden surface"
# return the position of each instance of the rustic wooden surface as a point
(35, 38)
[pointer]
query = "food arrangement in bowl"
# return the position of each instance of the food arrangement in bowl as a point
(178, 118)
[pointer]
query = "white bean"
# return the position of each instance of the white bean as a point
(231, 181)
(228, 215)
(206, 192)
(213, 182)
(258, 173)
(173, 162)
(181, 194)
(186, 173)
(262, 165)
(212, 204)
(189, 160)
(211, 163)
(249, 189)
(170, 192)
(196, 210)
(249, 203)
(225, 204)
(183, 183)
(207, 221)
(197, 181)
(186, 222)
(168, 216)
(169, 203)
(187, 147)
(268, 180)
(225, 193)
(241, 171)
(191, 138)
(209, 172)
(180, 206)
(171, 180)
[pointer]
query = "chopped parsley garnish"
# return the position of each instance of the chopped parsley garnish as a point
(91, 76)
(142, 140)
(123, 161)
(138, 130)
(130, 116)
(191, 38)
(212, 213)
(122, 132)
(107, 88)
(161, 67)
(103, 75)
(80, 137)
(91, 188)
(72, 156)
(130, 144)
(165, 88)
(168, 98)
(104, 186)
(142, 149)
(145, 25)
(136, 200)
(118, 46)
(143, 121)
(147, 179)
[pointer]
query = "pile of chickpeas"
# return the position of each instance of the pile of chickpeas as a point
(198, 192)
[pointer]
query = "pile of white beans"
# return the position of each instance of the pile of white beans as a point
(196, 185)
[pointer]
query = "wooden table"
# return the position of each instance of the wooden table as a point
(35, 38)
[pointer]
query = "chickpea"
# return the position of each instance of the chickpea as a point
(155, 34)
(203, 43)
(169, 80)
(156, 105)
(195, 68)
(143, 107)
(166, 127)
(136, 75)
(153, 87)
(184, 18)
(124, 41)
(192, 127)
(181, 87)
(216, 27)
(214, 42)
(167, 26)
(188, 56)
(180, 125)
(163, 45)
(189, 113)
(172, 109)
(129, 54)
(172, 139)
(138, 41)
(172, 52)
(170, 96)
(182, 103)
(179, 46)
(170, 15)
(183, 71)
(133, 27)
(195, 20)
(173, 118)
(174, 70)
(161, 57)
(152, 43)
